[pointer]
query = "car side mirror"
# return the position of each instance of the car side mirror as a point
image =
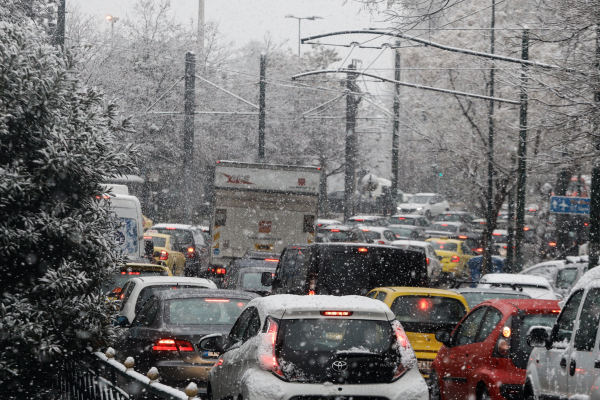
(214, 343)
(538, 336)
(156, 254)
(122, 321)
(443, 337)
(440, 258)
(266, 279)
(431, 201)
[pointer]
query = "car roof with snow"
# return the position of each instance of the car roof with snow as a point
(149, 280)
(425, 194)
(368, 217)
(336, 226)
(212, 293)
(289, 306)
(415, 243)
(489, 290)
(379, 229)
(516, 279)
(443, 223)
(590, 279)
(411, 216)
(176, 226)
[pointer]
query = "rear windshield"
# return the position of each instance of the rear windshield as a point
(520, 356)
(181, 236)
(444, 246)
(372, 235)
(443, 227)
(335, 235)
(159, 241)
(499, 238)
(566, 278)
(148, 291)
(251, 280)
(401, 231)
(474, 298)
(329, 335)
(203, 311)
(427, 314)
(354, 222)
(122, 277)
(349, 270)
(403, 221)
(449, 217)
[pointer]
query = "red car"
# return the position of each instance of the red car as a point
(486, 355)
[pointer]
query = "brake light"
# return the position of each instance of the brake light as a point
(272, 259)
(424, 304)
(311, 292)
(172, 345)
(401, 218)
(553, 244)
(455, 259)
(462, 237)
(480, 249)
(335, 230)
(360, 220)
(427, 260)
(219, 362)
(336, 313)
(585, 224)
(526, 228)
(444, 224)
(170, 228)
(216, 300)
(221, 271)
(268, 361)
(441, 242)
(148, 237)
(496, 234)
(190, 249)
(164, 255)
(362, 249)
(555, 311)
(380, 242)
(403, 344)
(365, 230)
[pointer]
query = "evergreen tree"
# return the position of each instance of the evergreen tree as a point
(57, 144)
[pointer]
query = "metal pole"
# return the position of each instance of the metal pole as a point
(200, 37)
(487, 262)
(59, 34)
(510, 242)
(595, 189)
(396, 126)
(188, 132)
(261, 110)
(350, 178)
(521, 159)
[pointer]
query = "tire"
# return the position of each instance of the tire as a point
(484, 394)
(434, 387)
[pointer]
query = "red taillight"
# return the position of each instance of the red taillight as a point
(555, 311)
(362, 249)
(365, 230)
(462, 237)
(148, 237)
(480, 249)
(496, 234)
(335, 230)
(455, 259)
(268, 361)
(336, 313)
(164, 255)
(311, 292)
(170, 228)
(272, 259)
(526, 228)
(221, 271)
(172, 345)
(444, 224)
(380, 242)
(424, 304)
(219, 362)
(401, 218)
(404, 344)
(216, 300)
(553, 244)
(359, 220)
(427, 260)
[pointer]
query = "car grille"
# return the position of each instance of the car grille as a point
(408, 210)
(338, 398)
(424, 366)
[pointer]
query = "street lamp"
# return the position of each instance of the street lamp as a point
(312, 18)
(112, 21)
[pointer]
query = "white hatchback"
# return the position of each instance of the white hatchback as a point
(535, 286)
(306, 347)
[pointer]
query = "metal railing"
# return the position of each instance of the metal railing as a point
(98, 376)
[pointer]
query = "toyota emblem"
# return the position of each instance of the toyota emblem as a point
(339, 366)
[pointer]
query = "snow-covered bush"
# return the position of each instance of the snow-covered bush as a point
(57, 143)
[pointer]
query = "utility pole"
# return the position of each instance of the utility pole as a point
(59, 34)
(261, 108)
(188, 134)
(521, 159)
(200, 37)
(350, 172)
(595, 189)
(510, 242)
(487, 261)
(396, 125)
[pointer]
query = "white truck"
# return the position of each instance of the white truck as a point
(262, 207)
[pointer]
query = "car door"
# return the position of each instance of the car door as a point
(454, 379)
(584, 360)
(249, 349)
(140, 336)
(553, 372)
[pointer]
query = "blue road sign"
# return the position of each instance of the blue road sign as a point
(569, 205)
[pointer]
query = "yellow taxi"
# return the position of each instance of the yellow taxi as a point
(132, 270)
(147, 223)
(422, 312)
(455, 256)
(166, 252)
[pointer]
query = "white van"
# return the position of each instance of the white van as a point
(129, 236)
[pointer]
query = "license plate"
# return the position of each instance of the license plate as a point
(210, 354)
(424, 365)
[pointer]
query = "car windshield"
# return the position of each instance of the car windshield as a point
(426, 314)
(474, 298)
(566, 278)
(405, 232)
(354, 222)
(420, 199)
(403, 221)
(444, 246)
(336, 235)
(251, 280)
(443, 227)
(159, 241)
(203, 311)
(182, 236)
(521, 354)
(148, 291)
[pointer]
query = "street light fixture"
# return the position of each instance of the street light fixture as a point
(312, 18)
(112, 20)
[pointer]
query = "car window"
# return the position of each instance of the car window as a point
(465, 249)
(372, 235)
(546, 271)
(489, 322)
(467, 331)
(427, 314)
(302, 265)
(159, 241)
(389, 235)
(381, 296)
(183, 237)
(127, 289)
(288, 263)
(372, 295)
(566, 278)
(588, 322)
(146, 314)
(237, 331)
(203, 311)
(563, 329)
(444, 246)
(253, 326)
(148, 291)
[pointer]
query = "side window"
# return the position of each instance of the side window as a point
(389, 235)
(237, 331)
(467, 331)
(424, 222)
(287, 267)
(142, 318)
(489, 322)
(587, 330)
(372, 295)
(381, 296)
(253, 326)
(151, 313)
(465, 249)
(129, 286)
(563, 330)
(300, 273)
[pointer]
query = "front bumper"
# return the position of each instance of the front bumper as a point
(411, 386)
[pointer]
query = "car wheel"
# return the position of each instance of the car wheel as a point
(434, 387)
(484, 394)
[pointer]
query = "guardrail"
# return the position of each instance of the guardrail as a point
(98, 376)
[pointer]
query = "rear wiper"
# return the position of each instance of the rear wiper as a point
(356, 353)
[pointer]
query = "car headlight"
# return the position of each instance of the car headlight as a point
(419, 208)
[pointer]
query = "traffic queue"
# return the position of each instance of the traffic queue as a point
(371, 309)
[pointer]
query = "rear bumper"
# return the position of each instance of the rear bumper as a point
(179, 371)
